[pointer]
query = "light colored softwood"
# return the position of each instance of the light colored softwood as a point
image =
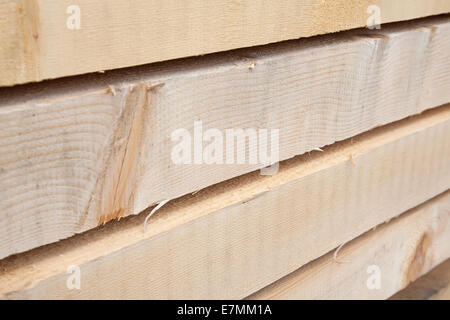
(75, 153)
(37, 44)
(234, 238)
(402, 250)
(435, 285)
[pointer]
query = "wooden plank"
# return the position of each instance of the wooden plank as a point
(234, 238)
(435, 285)
(396, 253)
(75, 153)
(42, 39)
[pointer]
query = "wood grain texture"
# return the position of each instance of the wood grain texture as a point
(76, 153)
(403, 250)
(435, 285)
(37, 44)
(234, 238)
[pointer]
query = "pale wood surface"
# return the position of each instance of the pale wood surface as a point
(403, 250)
(37, 44)
(234, 238)
(75, 153)
(435, 285)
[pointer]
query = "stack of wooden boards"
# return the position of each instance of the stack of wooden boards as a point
(364, 137)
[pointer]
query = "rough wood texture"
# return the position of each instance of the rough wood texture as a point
(435, 285)
(232, 239)
(37, 44)
(76, 153)
(402, 250)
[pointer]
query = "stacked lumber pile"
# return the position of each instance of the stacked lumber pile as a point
(352, 203)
